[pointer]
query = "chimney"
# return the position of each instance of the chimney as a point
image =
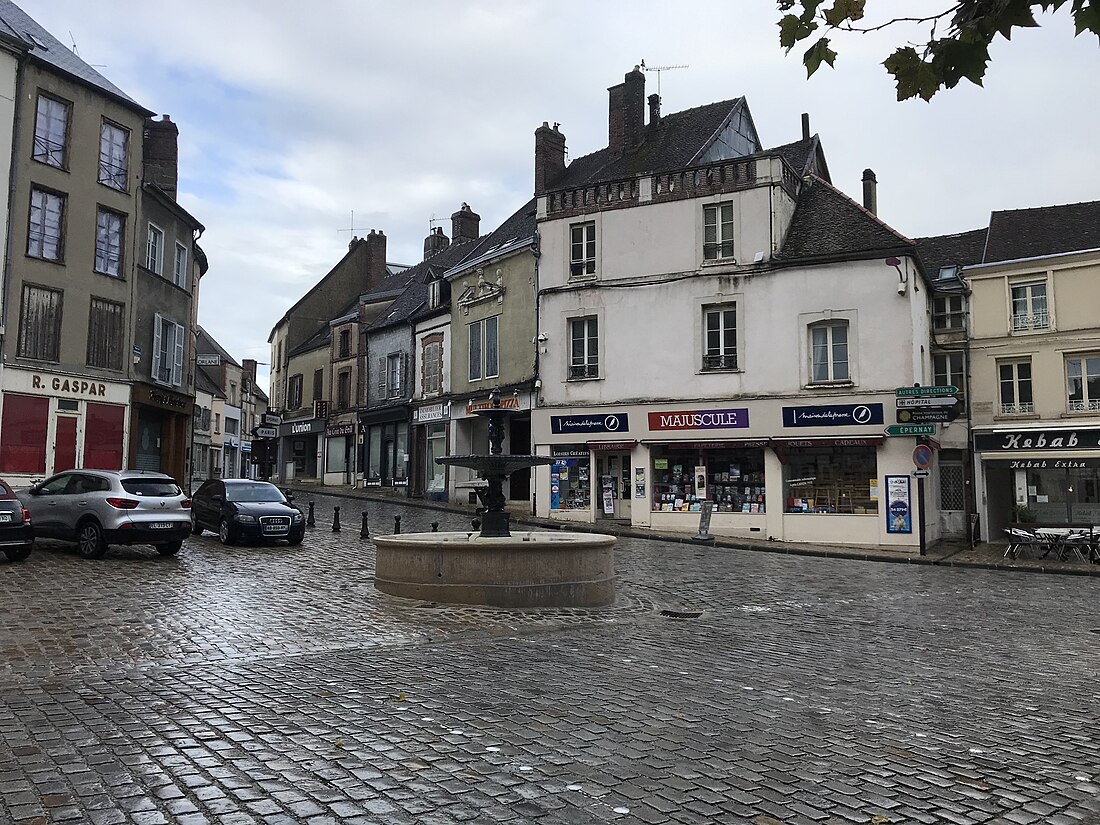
(435, 243)
(805, 125)
(654, 108)
(626, 112)
(870, 192)
(375, 243)
(161, 154)
(465, 225)
(249, 365)
(549, 156)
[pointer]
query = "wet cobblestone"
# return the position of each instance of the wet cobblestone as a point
(273, 684)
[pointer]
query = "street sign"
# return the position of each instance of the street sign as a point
(920, 391)
(265, 432)
(271, 419)
(927, 415)
(911, 429)
(927, 401)
(921, 473)
(922, 456)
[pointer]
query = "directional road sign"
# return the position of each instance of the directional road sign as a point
(265, 432)
(919, 391)
(927, 401)
(271, 419)
(911, 429)
(927, 415)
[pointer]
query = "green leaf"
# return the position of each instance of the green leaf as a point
(953, 61)
(792, 29)
(913, 76)
(1087, 19)
(817, 53)
(843, 11)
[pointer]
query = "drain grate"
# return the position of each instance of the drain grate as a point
(681, 614)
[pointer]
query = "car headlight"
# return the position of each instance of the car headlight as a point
(245, 519)
(296, 518)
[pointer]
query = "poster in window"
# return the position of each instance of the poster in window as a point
(639, 482)
(899, 511)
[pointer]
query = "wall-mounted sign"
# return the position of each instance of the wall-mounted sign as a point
(1045, 463)
(832, 415)
(569, 451)
(432, 412)
(595, 423)
(899, 511)
(510, 402)
(336, 430)
(208, 360)
(1009, 441)
(307, 427)
(699, 419)
(616, 446)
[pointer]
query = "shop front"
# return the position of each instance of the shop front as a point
(809, 473)
(470, 435)
(431, 423)
(340, 453)
(51, 422)
(300, 445)
(1046, 475)
(386, 448)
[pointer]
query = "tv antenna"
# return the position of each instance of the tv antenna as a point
(658, 70)
(432, 221)
(76, 51)
(351, 228)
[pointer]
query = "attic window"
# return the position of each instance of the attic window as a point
(947, 273)
(36, 40)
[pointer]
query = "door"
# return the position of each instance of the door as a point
(613, 485)
(50, 505)
(64, 444)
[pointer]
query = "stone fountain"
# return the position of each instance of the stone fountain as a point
(494, 566)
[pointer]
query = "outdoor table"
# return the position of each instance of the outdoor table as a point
(1063, 539)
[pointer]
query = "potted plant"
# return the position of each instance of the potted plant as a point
(1023, 514)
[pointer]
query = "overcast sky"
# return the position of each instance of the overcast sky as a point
(294, 115)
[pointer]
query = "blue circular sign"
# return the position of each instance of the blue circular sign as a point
(922, 456)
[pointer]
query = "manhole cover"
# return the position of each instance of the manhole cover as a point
(681, 614)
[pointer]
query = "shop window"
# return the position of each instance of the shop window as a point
(582, 249)
(570, 480)
(584, 349)
(337, 451)
(23, 434)
(436, 447)
(168, 344)
(40, 323)
(733, 479)
(1029, 307)
(294, 392)
(108, 243)
(1083, 382)
(113, 143)
(718, 231)
(720, 337)
(1015, 387)
(51, 131)
(949, 370)
(829, 352)
(45, 226)
(106, 334)
(830, 479)
(948, 313)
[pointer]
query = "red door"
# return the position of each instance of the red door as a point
(64, 450)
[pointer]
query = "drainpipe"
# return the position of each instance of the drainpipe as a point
(536, 253)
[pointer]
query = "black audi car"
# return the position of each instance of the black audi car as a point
(16, 533)
(239, 509)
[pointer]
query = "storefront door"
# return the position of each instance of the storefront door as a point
(64, 449)
(613, 485)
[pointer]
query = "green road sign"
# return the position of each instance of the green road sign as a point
(901, 392)
(911, 429)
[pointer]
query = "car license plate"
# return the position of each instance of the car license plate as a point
(5, 516)
(162, 525)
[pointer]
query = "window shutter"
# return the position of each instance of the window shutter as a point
(156, 348)
(382, 377)
(177, 367)
(404, 373)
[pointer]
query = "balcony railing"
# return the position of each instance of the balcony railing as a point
(1023, 408)
(584, 371)
(1092, 405)
(720, 362)
(1022, 323)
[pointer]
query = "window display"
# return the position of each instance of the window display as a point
(732, 478)
(830, 479)
(570, 484)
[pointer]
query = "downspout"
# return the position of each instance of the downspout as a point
(971, 470)
(536, 253)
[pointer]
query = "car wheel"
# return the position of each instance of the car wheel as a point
(196, 528)
(169, 549)
(225, 533)
(89, 540)
(294, 539)
(18, 553)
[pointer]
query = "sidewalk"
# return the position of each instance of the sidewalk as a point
(947, 553)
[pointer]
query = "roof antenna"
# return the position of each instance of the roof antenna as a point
(658, 70)
(352, 227)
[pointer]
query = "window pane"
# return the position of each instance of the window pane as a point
(491, 347)
(112, 156)
(475, 350)
(1074, 382)
(50, 126)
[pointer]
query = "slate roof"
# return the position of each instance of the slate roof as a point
(205, 344)
(415, 294)
(204, 383)
(828, 225)
(672, 143)
(519, 226)
(960, 249)
(806, 157)
(46, 48)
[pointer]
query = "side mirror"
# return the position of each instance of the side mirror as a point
(289, 495)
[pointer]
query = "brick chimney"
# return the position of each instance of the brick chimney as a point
(376, 257)
(465, 225)
(805, 125)
(549, 156)
(249, 367)
(654, 108)
(626, 112)
(870, 192)
(435, 243)
(161, 153)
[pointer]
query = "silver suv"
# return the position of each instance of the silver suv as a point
(97, 508)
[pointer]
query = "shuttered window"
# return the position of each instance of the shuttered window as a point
(40, 323)
(106, 334)
(168, 343)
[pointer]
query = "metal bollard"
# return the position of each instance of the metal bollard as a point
(336, 519)
(396, 525)
(435, 526)
(310, 521)
(364, 533)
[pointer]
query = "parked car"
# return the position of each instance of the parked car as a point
(98, 508)
(239, 509)
(16, 533)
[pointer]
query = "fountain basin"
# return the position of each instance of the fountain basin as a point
(526, 569)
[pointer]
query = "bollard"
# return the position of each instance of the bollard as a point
(364, 534)
(435, 526)
(396, 525)
(336, 519)
(310, 522)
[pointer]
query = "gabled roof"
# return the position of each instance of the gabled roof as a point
(204, 383)
(674, 142)
(960, 249)
(47, 49)
(520, 226)
(415, 294)
(206, 345)
(828, 225)
(806, 157)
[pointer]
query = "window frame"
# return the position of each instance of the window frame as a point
(582, 252)
(344, 344)
(155, 266)
(45, 154)
(431, 366)
(944, 317)
(112, 173)
(585, 365)
(179, 266)
(475, 356)
(722, 359)
(1017, 406)
(101, 233)
(294, 391)
(721, 248)
(174, 348)
(1087, 403)
(110, 342)
(50, 348)
(830, 327)
(61, 199)
(945, 373)
(394, 376)
(1032, 320)
(343, 389)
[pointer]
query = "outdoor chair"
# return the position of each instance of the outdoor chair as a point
(1022, 541)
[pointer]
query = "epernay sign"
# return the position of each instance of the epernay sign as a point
(1010, 441)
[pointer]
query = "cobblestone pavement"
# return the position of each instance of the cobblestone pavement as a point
(274, 685)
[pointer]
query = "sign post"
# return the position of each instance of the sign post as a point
(704, 536)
